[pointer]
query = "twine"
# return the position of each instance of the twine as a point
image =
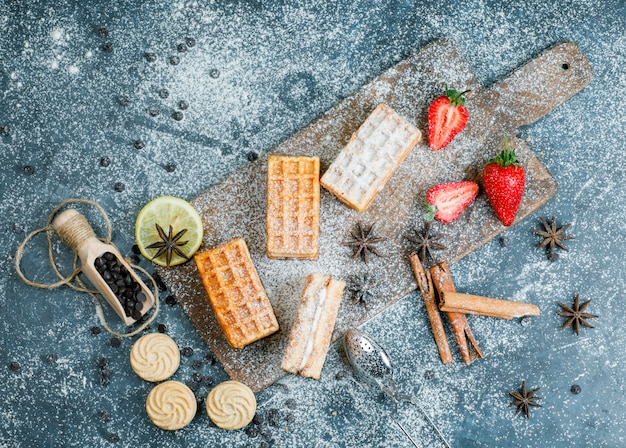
(73, 238)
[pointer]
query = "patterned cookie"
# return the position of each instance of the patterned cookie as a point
(154, 357)
(171, 405)
(231, 405)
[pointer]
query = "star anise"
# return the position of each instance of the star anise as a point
(426, 243)
(169, 244)
(362, 288)
(363, 241)
(552, 237)
(576, 315)
(524, 399)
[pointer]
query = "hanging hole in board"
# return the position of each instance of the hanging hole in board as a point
(565, 66)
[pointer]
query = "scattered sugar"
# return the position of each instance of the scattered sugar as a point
(280, 67)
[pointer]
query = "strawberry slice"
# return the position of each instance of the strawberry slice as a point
(447, 116)
(446, 202)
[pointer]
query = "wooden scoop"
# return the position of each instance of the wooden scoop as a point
(74, 230)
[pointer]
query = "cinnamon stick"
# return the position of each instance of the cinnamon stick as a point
(456, 302)
(425, 285)
(442, 281)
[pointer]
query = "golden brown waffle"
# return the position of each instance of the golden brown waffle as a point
(370, 158)
(312, 329)
(236, 294)
(293, 207)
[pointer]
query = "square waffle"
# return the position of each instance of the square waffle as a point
(293, 207)
(373, 154)
(236, 294)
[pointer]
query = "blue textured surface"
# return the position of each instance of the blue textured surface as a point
(280, 65)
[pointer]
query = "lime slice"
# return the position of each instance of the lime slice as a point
(164, 212)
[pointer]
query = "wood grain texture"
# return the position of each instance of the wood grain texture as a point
(236, 206)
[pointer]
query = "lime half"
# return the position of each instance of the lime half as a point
(166, 228)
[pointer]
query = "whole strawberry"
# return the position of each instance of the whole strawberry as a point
(503, 180)
(446, 202)
(447, 116)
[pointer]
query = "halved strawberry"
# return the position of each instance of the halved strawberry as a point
(446, 202)
(447, 116)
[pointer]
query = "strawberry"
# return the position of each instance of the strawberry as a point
(503, 179)
(446, 202)
(447, 116)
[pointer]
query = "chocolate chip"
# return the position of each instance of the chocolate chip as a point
(95, 331)
(136, 249)
(196, 365)
(272, 417)
(181, 48)
(28, 170)
(291, 403)
(171, 300)
(553, 256)
(119, 187)
(214, 73)
(178, 115)
(123, 100)
(170, 167)
(14, 366)
(209, 358)
(138, 144)
(17, 228)
(252, 156)
(150, 57)
(159, 281)
(575, 389)
(141, 297)
(162, 328)
(565, 66)
(174, 60)
(5, 131)
(106, 47)
(164, 93)
(153, 112)
(104, 416)
(115, 342)
(193, 385)
(105, 161)
(134, 259)
(186, 352)
(264, 444)
(135, 314)
(197, 377)
(429, 374)
(183, 105)
(190, 41)
(290, 418)
(51, 358)
(113, 438)
(340, 375)
(104, 362)
(504, 241)
(252, 432)
(207, 380)
(258, 419)
(102, 32)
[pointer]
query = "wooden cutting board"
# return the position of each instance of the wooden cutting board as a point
(236, 206)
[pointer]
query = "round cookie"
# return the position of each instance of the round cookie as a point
(154, 357)
(231, 405)
(171, 405)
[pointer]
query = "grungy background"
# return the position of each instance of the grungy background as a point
(258, 72)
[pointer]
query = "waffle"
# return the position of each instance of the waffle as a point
(236, 294)
(313, 326)
(370, 158)
(293, 207)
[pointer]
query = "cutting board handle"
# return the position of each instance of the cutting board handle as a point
(539, 86)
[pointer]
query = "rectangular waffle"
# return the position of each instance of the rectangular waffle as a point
(293, 207)
(370, 158)
(236, 294)
(313, 326)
